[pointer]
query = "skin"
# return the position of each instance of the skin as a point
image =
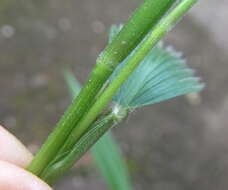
(13, 158)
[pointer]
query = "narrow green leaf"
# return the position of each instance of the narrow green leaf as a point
(72, 83)
(111, 164)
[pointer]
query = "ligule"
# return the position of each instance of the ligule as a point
(163, 74)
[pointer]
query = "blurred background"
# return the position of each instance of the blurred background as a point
(180, 144)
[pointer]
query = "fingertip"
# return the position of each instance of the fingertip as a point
(15, 178)
(12, 150)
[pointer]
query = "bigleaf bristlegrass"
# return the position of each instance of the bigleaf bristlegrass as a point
(131, 72)
(138, 25)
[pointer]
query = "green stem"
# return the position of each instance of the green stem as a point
(144, 18)
(158, 32)
(58, 168)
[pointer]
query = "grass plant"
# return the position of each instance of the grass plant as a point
(132, 71)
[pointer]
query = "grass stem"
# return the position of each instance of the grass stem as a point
(143, 19)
